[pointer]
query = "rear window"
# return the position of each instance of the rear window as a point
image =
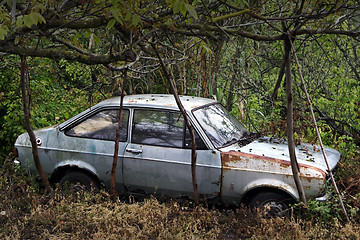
(101, 125)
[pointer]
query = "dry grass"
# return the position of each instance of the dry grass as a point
(26, 213)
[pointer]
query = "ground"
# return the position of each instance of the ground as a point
(26, 212)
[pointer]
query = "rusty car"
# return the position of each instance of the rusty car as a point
(233, 165)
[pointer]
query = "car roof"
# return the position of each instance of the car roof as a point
(145, 100)
(157, 100)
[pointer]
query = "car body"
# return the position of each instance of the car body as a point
(155, 152)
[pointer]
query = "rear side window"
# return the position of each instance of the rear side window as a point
(101, 125)
(161, 128)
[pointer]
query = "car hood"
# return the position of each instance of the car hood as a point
(306, 154)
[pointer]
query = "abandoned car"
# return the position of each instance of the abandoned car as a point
(155, 153)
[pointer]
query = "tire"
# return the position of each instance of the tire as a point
(78, 181)
(271, 204)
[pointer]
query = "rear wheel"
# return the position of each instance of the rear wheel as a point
(78, 181)
(271, 204)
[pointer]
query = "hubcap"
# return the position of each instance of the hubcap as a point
(78, 186)
(273, 209)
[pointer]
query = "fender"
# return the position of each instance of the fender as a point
(76, 163)
(275, 184)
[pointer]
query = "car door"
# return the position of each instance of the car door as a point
(158, 157)
(89, 143)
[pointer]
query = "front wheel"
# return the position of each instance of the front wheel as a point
(271, 204)
(78, 181)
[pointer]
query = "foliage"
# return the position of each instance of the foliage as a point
(331, 210)
(190, 35)
(333, 87)
(52, 101)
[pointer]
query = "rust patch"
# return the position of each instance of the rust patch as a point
(231, 157)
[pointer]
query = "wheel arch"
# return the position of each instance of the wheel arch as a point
(62, 169)
(254, 191)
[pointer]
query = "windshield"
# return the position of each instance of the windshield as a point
(221, 128)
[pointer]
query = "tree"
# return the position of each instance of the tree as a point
(24, 84)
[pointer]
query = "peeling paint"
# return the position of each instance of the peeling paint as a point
(259, 171)
(229, 157)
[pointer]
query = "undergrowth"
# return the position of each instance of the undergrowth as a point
(26, 212)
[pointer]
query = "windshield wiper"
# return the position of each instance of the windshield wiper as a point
(247, 138)
(234, 140)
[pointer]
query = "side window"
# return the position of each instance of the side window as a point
(101, 125)
(200, 145)
(160, 128)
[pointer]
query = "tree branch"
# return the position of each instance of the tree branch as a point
(325, 31)
(231, 15)
(64, 54)
(77, 24)
(69, 45)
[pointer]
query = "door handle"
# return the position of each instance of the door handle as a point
(136, 151)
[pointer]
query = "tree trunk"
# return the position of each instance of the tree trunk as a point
(230, 99)
(113, 192)
(318, 133)
(187, 122)
(280, 77)
(25, 89)
(215, 67)
(290, 122)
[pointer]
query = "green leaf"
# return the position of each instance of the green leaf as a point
(128, 16)
(73, 38)
(40, 17)
(3, 32)
(34, 18)
(115, 12)
(135, 20)
(177, 6)
(28, 21)
(183, 9)
(191, 9)
(96, 39)
(39, 7)
(111, 23)
(87, 33)
(20, 21)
